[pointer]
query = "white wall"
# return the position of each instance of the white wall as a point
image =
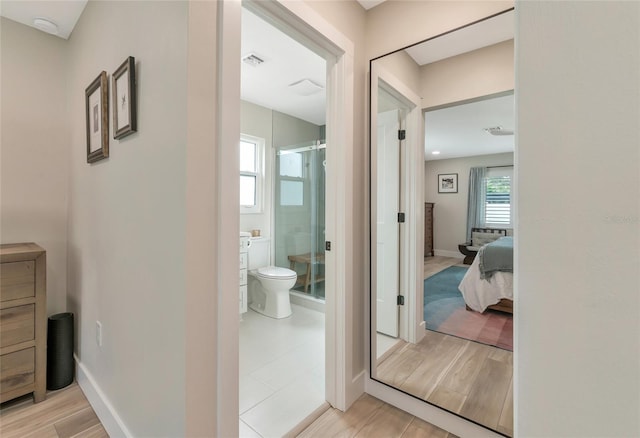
(578, 236)
(450, 209)
(127, 216)
(35, 145)
(474, 74)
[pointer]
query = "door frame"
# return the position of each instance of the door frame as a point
(307, 25)
(411, 327)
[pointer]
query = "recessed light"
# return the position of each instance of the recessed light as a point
(45, 25)
(435, 153)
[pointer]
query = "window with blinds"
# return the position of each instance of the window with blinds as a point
(498, 211)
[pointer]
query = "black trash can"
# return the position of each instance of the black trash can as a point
(60, 367)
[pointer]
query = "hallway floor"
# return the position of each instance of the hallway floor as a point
(281, 371)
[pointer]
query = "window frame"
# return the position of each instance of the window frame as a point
(259, 174)
(498, 172)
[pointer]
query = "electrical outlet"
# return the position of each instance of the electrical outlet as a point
(99, 333)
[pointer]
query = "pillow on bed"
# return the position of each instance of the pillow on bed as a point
(479, 239)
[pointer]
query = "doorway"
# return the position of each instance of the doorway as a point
(304, 25)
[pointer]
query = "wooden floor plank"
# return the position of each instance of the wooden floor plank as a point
(434, 365)
(76, 423)
(505, 424)
(398, 367)
(96, 431)
(485, 402)
(63, 413)
(54, 408)
(461, 376)
(387, 422)
(421, 429)
(344, 424)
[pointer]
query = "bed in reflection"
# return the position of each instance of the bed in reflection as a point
(488, 284)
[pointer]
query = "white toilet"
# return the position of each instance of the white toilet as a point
(268, 285)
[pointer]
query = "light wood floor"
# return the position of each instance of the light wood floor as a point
(369, 417)
(64, 413)
(465, 377)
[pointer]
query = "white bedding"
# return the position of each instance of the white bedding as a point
(479, 294)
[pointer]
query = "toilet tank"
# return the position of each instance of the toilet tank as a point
(259, 252)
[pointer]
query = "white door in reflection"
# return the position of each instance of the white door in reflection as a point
(388, 236)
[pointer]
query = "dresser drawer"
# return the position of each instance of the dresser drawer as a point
(243, 276)
(17, 325)
(17, 371)
(243, 260)
(17, 280)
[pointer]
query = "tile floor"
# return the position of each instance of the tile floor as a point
(281, 371)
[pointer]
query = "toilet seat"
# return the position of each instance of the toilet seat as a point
(276, 272)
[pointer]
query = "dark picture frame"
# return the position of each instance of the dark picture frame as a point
(97, 118)
(124, 99)
(448, 183)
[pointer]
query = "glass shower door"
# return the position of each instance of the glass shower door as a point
(300, 214)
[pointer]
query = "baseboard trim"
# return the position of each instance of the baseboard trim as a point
(105, 411)
(355, 390)
(446, 253)
(300, 427)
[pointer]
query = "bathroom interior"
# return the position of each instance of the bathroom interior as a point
(282, 222)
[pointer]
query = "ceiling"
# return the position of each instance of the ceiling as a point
(450, 130)
(64, 14)
(459, 131)
(286, 62)
(486, 33)
(368, 4)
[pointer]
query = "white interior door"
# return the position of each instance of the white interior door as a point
(388, 236)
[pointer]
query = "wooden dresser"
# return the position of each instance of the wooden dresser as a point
(428, 229)
(23, 321)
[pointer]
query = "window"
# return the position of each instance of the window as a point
(251, 173)
(497, 190)
(291, 178)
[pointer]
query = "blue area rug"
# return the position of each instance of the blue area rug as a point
(442, 297)
(445, 312)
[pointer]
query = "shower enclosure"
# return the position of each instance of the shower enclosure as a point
(300, 214)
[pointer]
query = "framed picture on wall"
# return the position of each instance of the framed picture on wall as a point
(97, 118)
(124, 99)
(448, 183)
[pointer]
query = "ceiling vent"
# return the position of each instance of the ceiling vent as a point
(498, 130)
(306, 87)
(253, 60)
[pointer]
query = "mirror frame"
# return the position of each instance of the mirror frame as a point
(373, 88)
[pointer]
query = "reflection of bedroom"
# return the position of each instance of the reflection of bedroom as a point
(460, 298)
(468, 115)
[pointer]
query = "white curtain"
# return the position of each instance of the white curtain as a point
(476, 199)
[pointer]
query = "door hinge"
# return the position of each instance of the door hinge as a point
(400, 300)
(400, 218)
(327, 246)
(402, 134)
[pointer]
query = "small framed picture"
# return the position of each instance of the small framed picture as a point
(97, 118)
(448, 183)
(124, 99)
